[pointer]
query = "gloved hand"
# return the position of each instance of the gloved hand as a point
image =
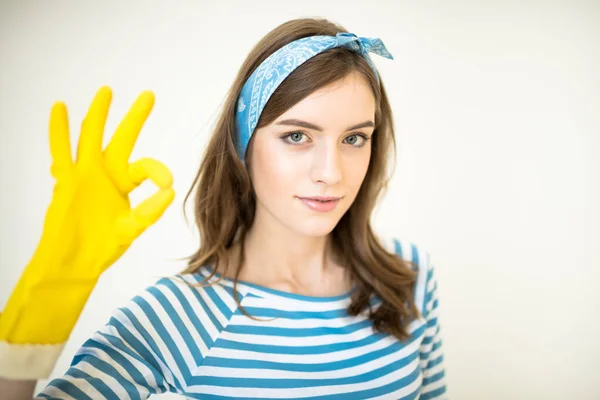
(88, 226)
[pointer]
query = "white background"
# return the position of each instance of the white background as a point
(497, 114)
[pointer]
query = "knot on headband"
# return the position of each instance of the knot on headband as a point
(363, 45)
(271, 72)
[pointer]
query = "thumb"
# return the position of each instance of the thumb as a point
(145, 214)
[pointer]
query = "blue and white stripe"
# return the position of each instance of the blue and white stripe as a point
(195, 341)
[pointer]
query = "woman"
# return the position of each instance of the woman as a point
(291, 294)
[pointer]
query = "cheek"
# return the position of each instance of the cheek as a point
(273, 175)
(356, 170)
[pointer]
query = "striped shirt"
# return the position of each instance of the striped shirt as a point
(195, 341)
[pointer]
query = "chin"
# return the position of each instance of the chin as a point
(316, 228)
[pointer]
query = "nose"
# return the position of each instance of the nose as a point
(327, 164)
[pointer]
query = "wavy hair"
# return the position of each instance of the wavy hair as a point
(224, 207)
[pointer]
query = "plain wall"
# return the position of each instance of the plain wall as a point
(498, 133)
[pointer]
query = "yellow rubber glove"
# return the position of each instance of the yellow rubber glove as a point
(89, 223)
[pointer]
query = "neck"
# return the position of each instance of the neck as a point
(278, 257)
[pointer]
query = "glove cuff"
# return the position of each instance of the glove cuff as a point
(28, 361)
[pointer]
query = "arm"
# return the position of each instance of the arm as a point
(88, 226)
(431, 350)
(13, 389)
(125, 359)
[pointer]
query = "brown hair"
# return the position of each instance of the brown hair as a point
(224, 207)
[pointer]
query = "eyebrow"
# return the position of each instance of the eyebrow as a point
(309, 125)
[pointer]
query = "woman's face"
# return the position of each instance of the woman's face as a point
(330, 157)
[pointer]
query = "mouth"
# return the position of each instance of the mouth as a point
(320, 203)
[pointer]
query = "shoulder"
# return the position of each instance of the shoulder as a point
(417, 256)
(419, 259)
(176, 314)
(175, 318)
(185, 298)
(151, 343)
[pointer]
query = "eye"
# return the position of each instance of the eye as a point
(356, 140)
(293, 137)
(357, 137)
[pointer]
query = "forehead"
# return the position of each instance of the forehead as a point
(339, 104)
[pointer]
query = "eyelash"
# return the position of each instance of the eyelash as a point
(287, 135)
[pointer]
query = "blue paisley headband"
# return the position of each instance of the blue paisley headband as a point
(270, 73)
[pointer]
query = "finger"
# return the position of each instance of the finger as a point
(149, 168)
(89, 147)
(145, 214)
(121, 145)
(60, 144)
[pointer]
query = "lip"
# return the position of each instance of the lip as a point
(325, 205)
(322, 198)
